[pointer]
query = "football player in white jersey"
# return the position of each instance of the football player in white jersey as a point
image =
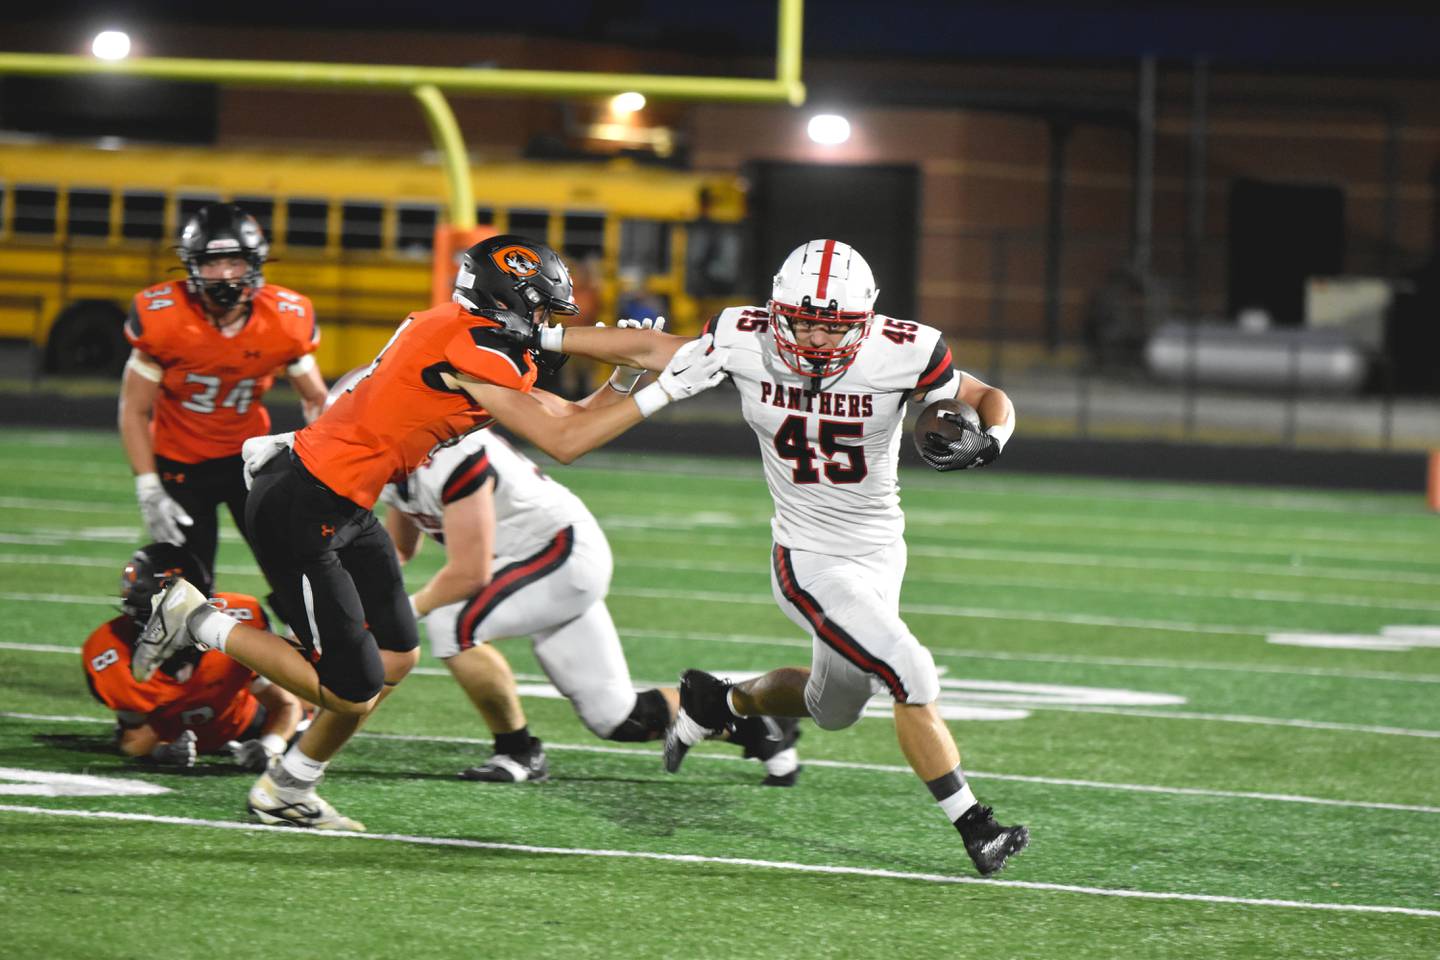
(524, 557)
(824, 382)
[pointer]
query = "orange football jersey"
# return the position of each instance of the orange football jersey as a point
(389, 421)
(209, 402)
(215, 700)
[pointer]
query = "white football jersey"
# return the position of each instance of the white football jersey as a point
(831, 447)
(530, 508)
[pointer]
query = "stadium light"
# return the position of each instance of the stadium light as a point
(111, 45)
(630, 102)
(829, 128)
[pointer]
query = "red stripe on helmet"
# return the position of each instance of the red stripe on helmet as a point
(825, 258)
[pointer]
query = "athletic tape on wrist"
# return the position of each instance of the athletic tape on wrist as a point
(551, 338)
(1001, 431)
(650, 399)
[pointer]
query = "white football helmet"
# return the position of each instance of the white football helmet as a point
(823, 281)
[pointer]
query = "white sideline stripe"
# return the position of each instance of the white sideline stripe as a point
(651, 755)
(750, 639)
(691, 858)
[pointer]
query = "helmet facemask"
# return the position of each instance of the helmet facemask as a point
(222, 231)
(812, 361)
(822, 282)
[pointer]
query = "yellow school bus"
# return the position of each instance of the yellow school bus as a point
(84, 226)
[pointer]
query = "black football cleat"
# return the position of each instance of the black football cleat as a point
(528, 767)
(703, 714)
(989, 844)
(771, 740)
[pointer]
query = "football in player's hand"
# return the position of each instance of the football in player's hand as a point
(960, 417)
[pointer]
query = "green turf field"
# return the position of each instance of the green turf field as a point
(1192, 789)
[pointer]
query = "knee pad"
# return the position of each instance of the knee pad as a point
(647, 721)
(358, 677)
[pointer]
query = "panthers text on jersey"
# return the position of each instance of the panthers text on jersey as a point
(209, 402)
(215, 700)
(406, 405)
(530, 508)
(831, 446)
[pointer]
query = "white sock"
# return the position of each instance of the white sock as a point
(301, 767)
(730, 702)
(211, 627)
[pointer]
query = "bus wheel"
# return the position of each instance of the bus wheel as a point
(88, 338)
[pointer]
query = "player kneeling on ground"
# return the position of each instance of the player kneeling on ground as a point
(197, 702)
(524, 557)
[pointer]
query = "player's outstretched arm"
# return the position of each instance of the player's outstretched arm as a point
(627, 346)
(568, 433)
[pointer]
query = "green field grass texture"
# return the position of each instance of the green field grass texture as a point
(1192, 789)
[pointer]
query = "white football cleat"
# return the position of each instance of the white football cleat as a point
(166, 633)
(282, 807)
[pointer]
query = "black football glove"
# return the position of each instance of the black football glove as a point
(518, 330)
(970, 450)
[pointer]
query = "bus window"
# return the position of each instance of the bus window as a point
(584, 235)
(144, 216)
(484, 216)
(360, 226)
(88, 214)
(714, 259)
(414, 230)
(190, 204)
(645, 247)
(307, 223)
(531, 224)
(34, 210)
(261, 208)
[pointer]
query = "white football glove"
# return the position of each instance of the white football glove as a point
(258, 754)
(695, 368)
(179, 752)
(259, 451)
(624, 377)
(163, 516)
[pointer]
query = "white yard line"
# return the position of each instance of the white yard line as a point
(696, 859)
(653, 756)
(972, 613)
(1298, 567)
(1092, 589)
(1147, 663)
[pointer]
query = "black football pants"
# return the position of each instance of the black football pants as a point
(201, 488)
(336, 578)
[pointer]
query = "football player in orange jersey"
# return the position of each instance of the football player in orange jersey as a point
(446, 371)
(197, 702)
(205, 351)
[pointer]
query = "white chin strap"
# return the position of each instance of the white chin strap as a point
(463, 300)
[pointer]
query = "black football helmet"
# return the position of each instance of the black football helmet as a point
(223, 230)
(149, 569)
(518, 276)
(147, 572)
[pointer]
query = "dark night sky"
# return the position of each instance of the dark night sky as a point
(1281, 33)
